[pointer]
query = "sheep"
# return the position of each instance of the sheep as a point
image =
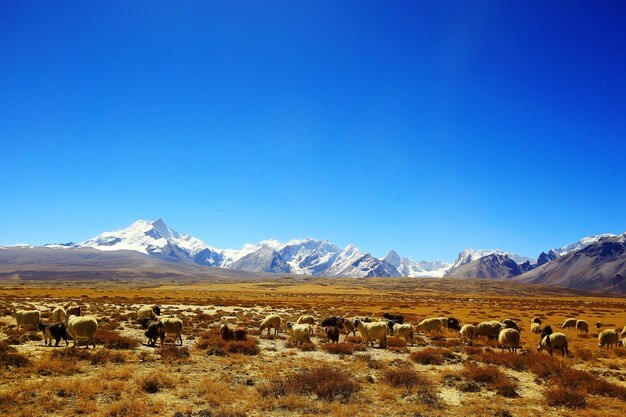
(510, 324)
(569, 323)
(332, 333)
(299, 333)
(269, 322)
(535, 320)
(607, 338)
(348, 326)
(490, 329)
(332, 321)
(398, 318)
(56, 331)
(228, 334)
(535, 328)
(582, 326)
(306, 319)
(430, 325)
(546, 331)
(390, 324)
(72, 310)
(404, 331)
(453, 324)
(554, 341)
(155, 331)
(26, 317)
(509, 338)
(82, 327)
(145, 312)
(468, 332)
(371, 331)
(173, 326)
(623, 333)
(58, 315)
(156, 309)
(598, 324)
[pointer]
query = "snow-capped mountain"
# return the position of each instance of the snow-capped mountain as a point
(409, 268)
(581, 244)
(469, 255)
(353, 263)
(299, 256)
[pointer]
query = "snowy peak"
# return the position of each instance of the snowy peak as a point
(580, 244)
(393, 258)
(469, 255)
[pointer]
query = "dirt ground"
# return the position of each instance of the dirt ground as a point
(270, 376)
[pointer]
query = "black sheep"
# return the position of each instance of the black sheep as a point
(56, 331)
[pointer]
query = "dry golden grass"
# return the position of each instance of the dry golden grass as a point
(265, 375)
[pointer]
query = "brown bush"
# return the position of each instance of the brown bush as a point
(173, 353)
(482, 374)
(326, 381)
(566, 397)
(215, 345)
(431, 356)
(113, 340)
(10, 358)
(343, 348)
(102, 357)
(403, 377)
(153, 383)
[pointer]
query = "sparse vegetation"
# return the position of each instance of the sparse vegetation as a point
(208, 376)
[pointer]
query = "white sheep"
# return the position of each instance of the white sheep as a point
(607, 338)
(535, 328)
(299, 333)
(306, 319)
(535, 320)
(623, 334)
(435, 324)
(58, 315)
(569, 323)
(372, 331)
(26, 317)
(404, 331)
(490, 329)
(174, 327)
(554, 341)
(271, 321)
(145, 312)
(509, 338)
(82, 328)
(582, 326)
(467, 333)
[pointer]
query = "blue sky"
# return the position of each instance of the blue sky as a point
(426, 127)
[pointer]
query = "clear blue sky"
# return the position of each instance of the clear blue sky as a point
(427, 127)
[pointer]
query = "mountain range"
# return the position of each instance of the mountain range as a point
(593, 263)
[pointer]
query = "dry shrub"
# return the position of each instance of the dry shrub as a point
(395, 342)
(113, 340)
(173, 353)
(56, 366)
(153, 383)
(585, 355)
(491, 377)
(566, 397)
(431, 356)
(128, 407)
(343, 348)
(10, 358)
(404, 377)
(102, 357)
(507, 359)
(327, 381)
(215, 345)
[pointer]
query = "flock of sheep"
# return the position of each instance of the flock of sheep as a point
(67, 320)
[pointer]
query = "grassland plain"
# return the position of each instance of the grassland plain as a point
(268, 376)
